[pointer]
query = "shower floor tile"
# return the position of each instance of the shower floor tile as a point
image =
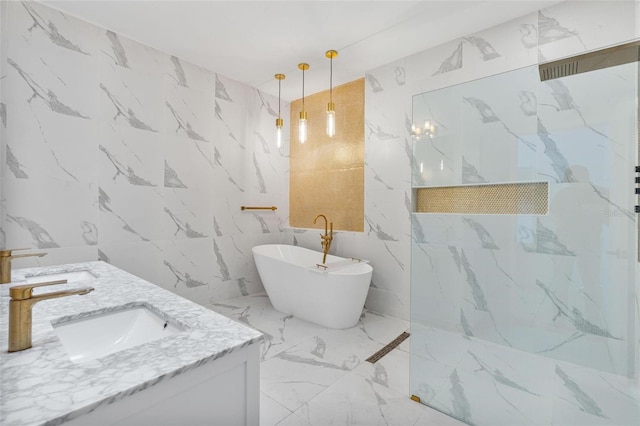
(359, 401)
(314, 376)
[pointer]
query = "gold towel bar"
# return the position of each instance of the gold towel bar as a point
(258, 208)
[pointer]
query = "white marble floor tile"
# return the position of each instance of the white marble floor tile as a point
(313, 376)
(254, 309)
(296, 375)
(271, 413)
(406, 345)
(284, 334)
(431, 417)
(342, 345)
(391, 371)
(293, 382)
(428, 377)
(381, 328)
(254, 306)
(281, 331)
(294, 420)
(354, 400)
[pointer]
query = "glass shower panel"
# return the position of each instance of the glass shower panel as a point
(529, 319)
(587, 245)
(437, 125)
(499, 128)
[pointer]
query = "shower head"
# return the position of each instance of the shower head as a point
(591, 61)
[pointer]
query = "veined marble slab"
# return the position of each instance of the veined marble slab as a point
(42, 385)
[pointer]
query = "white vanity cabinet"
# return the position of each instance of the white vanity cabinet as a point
(222, 392)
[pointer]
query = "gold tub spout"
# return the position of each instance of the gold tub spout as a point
(6, 256)
(326, 238)
(22, 300)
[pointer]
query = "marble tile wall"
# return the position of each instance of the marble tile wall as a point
(119, 152)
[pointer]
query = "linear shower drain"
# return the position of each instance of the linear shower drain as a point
(388, 348)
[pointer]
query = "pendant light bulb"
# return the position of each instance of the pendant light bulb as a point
(279, 123)
(302, 127)
(279, 120)
(331, 123)
(302, 122)
(331, 107)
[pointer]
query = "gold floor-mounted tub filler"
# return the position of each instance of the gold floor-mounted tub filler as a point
(326, 238)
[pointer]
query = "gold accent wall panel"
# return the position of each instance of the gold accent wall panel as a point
(327, 174)
(505, 198)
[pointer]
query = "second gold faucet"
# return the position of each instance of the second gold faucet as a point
(6, 256)
(326, 238)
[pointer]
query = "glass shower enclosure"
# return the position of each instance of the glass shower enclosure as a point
(529, 317)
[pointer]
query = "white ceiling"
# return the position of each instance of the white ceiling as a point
(250, 41)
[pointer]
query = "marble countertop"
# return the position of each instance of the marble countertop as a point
(42, 385)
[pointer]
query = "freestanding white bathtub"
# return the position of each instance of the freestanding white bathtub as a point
(332, 298)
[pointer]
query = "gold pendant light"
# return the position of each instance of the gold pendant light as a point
(302, 123)
(279, 121)
(331, 107)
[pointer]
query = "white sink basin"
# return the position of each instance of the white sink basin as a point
(103, 334)
(71, 276)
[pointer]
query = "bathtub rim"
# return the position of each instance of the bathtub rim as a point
(354, 269)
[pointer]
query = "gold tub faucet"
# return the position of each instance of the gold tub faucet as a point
(6, 256)
(22, 300)
(326, 238)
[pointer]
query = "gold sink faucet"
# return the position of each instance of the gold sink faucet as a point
(22, 300)
(326, 238)
(6, 256)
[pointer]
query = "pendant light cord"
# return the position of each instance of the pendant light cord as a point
(279, 85)
(302, 89)
(331, 80)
